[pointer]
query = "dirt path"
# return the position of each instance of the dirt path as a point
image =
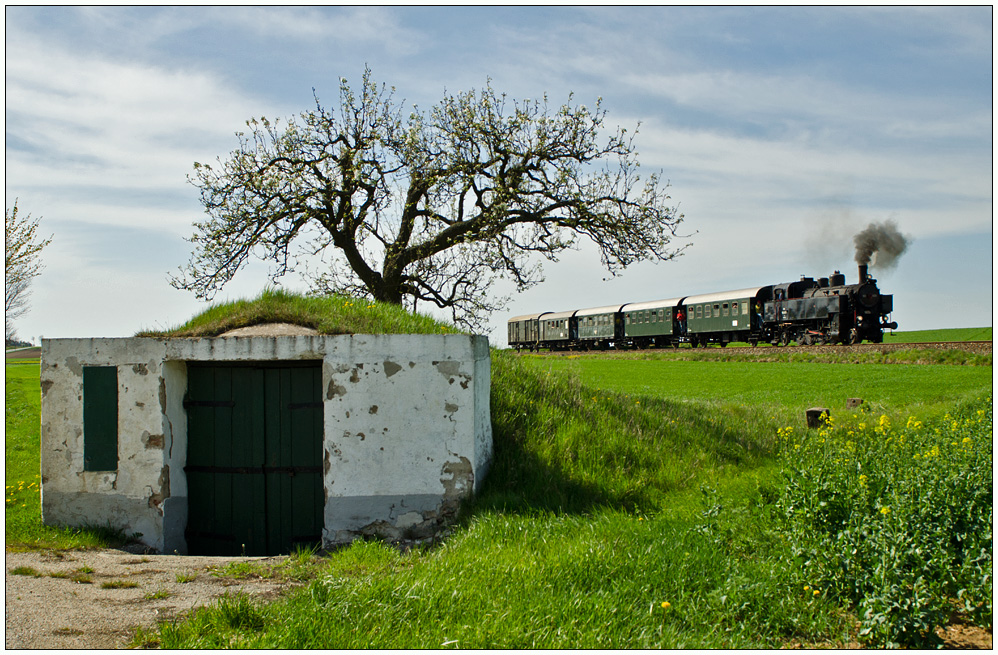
(96, 598)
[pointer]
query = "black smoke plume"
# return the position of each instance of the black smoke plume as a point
(880, 245)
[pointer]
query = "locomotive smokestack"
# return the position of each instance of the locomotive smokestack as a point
(863, 273)
(879, 245)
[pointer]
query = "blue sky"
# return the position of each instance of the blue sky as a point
(783, 132)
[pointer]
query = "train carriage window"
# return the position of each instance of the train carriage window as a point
(699, 311)
(734, 309)
(745, 307)
(717, 311)
(724, 309)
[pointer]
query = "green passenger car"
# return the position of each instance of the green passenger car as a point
(725, 317)
(557, 329)
(598, 327)
(524, 331)
(652, 323)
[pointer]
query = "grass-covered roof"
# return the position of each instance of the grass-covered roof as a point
(325, 314)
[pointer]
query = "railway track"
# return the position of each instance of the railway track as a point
(976, 347)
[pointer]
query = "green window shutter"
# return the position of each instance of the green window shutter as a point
(100, 418)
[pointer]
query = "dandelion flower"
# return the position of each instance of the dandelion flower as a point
(885, 510)
(666, 605)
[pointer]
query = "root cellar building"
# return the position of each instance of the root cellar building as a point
(257, 444)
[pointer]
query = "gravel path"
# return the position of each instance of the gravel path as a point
(78, 609)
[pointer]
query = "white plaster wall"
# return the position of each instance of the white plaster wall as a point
(401, 431)
(130, 497)
(407, 429)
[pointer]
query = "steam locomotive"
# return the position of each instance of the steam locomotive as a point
(809, 311)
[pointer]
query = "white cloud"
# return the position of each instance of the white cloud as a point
(747, 174)
(93, 123)
(345, 25)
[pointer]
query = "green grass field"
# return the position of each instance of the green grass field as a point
(649, 502)
(781, 388)
(950, 334)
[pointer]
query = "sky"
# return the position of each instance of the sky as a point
(781, 131)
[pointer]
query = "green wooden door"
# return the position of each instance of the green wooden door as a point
(254, 458)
